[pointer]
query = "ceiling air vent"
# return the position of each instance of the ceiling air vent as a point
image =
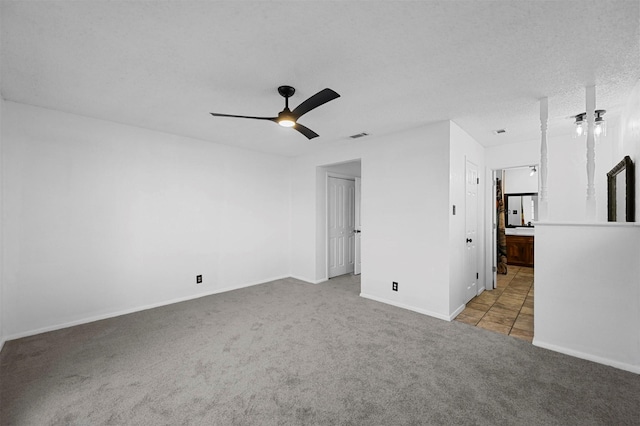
(359, 135)
(499, 131)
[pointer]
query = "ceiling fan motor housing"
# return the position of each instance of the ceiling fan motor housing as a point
(286, 91)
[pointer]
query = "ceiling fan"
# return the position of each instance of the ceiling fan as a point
(288, 118)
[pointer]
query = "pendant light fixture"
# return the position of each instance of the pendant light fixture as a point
(580, 125)
(601, 125)
(580, 122)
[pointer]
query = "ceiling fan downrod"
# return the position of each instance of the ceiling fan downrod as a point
(286, 92)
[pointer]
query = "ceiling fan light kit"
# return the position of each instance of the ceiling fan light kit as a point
(288, 118)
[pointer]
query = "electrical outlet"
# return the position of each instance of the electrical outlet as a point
(394, 286)
(198, 279)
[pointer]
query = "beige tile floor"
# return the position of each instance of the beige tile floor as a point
(508, 309)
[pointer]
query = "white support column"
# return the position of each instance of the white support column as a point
(543, 201)
(591, 153)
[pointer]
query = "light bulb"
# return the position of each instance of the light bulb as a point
(600, 128)
(287, 123)
(600, 125)
(579, 130)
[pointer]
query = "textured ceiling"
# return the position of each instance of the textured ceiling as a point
(165, 65)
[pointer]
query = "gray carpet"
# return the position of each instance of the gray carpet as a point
(292, 353)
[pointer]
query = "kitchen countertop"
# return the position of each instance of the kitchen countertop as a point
(524, 230)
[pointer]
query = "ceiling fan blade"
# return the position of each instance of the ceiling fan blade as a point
(322, 97)
(310, 134)
(243, 116)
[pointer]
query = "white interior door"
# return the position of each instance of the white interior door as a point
(471, 220)
(357, 265)
(341, 218)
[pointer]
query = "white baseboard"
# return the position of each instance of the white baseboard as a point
(308, 280)
(589, 357)
(403, 306)
(457, 312)
(2, 343)
(132, 310)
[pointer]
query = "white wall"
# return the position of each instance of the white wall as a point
(588, 292)
(519, 180)
(588, 275)
(102, 218)
(567, 175)
(462, 148)
(405, 203)
(351, 168)
(512, 155)
(566, 171)
(405, 211)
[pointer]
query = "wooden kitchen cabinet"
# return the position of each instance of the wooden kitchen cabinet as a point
(520, 250)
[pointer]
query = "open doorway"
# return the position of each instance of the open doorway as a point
(508, 307)
(342, 233)
(341, 224)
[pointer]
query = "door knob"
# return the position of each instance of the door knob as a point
(469, 240)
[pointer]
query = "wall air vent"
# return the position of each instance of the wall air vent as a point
(359, 135)
(499, 131)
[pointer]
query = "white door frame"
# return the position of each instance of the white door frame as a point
(494, 232)
(491, 219)
(473, 289)
(326, 225)
(358, 237)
